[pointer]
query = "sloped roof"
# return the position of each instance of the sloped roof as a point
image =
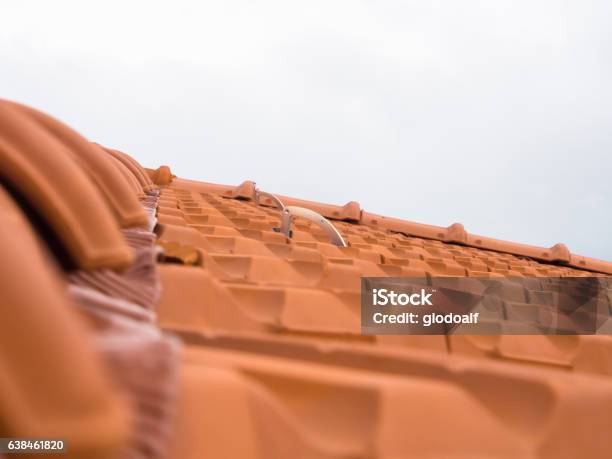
(455, 233)
(273, 363)
(285, 313)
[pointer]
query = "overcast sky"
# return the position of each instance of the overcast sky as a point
(496, 114)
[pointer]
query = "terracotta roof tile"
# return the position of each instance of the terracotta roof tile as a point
(38, 166)
(136, 169)
(128, 176)
(52, 382)
(275, 361)
(161, 176)
(266, 273)
(98, 166)
(343, 401)
(454, 233)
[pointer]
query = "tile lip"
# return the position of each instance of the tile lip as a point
(97, 165)
(558, 254)
(59, 191)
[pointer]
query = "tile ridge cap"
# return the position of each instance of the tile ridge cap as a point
(454, 233)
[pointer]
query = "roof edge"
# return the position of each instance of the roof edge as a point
(455, 233)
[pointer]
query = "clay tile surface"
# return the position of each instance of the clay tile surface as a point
(36, 396)
(271, 361)
(136, 169)
(98, 165)
(38, 166)
(128, 176)
(278, 318)
(246, 190)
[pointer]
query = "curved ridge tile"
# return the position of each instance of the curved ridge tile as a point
(41, 169)
(141, 169)
(52, 384)
(134, 167)
(98, 166)
(128, 176)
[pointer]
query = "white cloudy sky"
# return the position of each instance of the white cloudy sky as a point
(496, 114)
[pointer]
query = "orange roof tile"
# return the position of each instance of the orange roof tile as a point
(98, 166)
(455, 233)
(128, 176)
(161, 176)
(281, 282)
(136, 169)
(52, 383)
(274, 360)
(37, 165)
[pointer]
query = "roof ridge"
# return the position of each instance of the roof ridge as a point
(455, 233)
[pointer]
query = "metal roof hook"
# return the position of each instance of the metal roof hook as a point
(288, 213)
(262, 194)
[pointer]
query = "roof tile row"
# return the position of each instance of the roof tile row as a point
(455, 233)
(275, 362)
